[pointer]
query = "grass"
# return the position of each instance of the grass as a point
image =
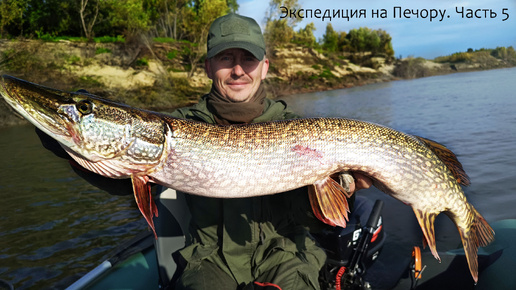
(73, 59)
(164, 40)
(101, 50)
(172, 54)
(326, 74)
(102, 39)
(142, 62)
(89, 81)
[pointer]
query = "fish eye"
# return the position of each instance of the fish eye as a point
(85, 107)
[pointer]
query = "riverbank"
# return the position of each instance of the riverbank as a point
(164, 76)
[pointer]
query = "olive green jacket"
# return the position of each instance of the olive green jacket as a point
(246, 236)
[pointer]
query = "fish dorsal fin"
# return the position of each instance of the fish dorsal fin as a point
(448, 158)
(329, 202)
(144, 200)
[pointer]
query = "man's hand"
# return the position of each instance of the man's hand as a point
(361, 182)
(353, 182)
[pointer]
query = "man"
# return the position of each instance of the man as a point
(249, 243)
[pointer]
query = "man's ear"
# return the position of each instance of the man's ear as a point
(207, 68)
(265, 68)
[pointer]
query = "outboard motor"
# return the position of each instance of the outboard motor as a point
(352, 250)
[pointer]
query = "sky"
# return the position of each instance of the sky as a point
(415, 36)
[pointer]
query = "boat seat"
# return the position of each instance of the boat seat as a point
(171, 224)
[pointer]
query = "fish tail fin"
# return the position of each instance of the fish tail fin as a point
(329, 202)
(144, 200)
(426, 222)
(478, 234)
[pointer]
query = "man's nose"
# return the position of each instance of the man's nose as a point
(238, 70)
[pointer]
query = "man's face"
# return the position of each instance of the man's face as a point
(236, 73)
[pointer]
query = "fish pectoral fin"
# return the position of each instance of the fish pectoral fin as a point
(448, 158)
(144, 200)
(426, 222)
(329, 202)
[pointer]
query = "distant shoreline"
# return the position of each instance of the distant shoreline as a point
(154, 78)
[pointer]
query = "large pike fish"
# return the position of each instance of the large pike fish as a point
(235, 161)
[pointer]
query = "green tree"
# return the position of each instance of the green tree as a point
(367, 40)
(11, 12)
(88, 18)
(280, 30)
(500, 52)
(275, 12)
(305, 36)
(232, 6)
(128, 16)
(511, 54)
(342, 42)
(330, 39)
(357, 40)
(54, 17)
(197, 19)
(385, 43)
(169, 17)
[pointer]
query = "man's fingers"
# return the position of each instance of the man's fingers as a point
(361, 182)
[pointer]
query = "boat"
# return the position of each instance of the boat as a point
(148, 263)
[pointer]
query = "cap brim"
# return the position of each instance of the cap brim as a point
(255, 50)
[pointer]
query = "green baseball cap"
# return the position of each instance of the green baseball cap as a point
(235, 31)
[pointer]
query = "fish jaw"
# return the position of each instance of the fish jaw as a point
(39, 105)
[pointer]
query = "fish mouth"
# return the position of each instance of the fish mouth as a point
(39, 105)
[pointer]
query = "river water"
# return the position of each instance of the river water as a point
(54, 227)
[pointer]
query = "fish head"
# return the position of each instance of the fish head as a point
(91, 127)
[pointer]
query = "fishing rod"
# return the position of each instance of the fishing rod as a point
(351, 276)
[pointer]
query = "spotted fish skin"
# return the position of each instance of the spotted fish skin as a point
(249, 160)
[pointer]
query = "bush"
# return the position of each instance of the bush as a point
(411, 68)
(455, 58)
